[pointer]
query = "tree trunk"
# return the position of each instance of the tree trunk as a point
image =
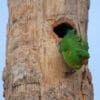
(34, 67)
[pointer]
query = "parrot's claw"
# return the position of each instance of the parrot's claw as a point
(70, 72)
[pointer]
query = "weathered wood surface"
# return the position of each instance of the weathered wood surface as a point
(34, 67)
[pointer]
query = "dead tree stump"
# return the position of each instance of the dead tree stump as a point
(34, 67)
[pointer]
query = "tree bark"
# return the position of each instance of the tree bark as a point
(34, 67)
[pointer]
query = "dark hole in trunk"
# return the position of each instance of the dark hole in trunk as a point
(62, 29)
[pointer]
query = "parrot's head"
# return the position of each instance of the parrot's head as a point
(84, 56)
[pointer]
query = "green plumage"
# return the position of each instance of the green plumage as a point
(74, 50)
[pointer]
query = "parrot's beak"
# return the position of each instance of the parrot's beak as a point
(85, 62)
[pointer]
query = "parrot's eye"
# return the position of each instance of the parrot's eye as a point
(61, 29)
(80, 55)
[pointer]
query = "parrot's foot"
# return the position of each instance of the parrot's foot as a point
(70, 72)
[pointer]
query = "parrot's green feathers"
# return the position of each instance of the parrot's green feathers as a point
(69, 40)
(72, 60)
(83, 54)
(74, 49)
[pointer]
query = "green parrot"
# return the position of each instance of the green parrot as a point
(74, 50)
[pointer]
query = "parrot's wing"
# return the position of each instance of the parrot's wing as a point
(63, 44)
(66, 56)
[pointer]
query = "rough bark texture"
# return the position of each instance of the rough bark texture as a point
(34, 67)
